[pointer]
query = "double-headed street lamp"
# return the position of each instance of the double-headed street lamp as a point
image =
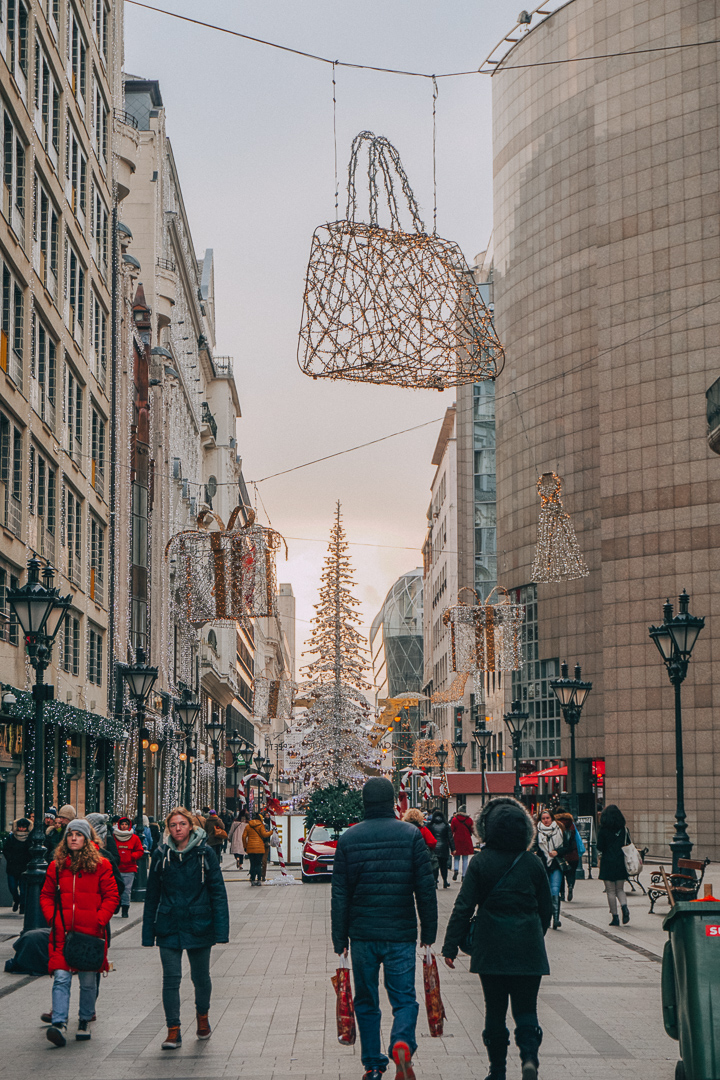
(572, 694)
(40, 611)
(515, 721)
(215, 728)
(675, 640)
(188, 710)
(482, 737)
(140, 678)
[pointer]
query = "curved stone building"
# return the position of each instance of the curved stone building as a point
(607, 298)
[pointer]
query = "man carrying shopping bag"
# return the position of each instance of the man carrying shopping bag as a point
(381, 872)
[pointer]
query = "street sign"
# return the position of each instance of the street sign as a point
(586, 828)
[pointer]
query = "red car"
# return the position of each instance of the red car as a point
(318, 853)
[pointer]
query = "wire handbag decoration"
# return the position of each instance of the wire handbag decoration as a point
(557, 552)
(392, 307)
(226, 575)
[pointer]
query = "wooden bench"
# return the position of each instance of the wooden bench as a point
(677, 886)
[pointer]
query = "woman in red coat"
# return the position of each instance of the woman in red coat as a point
(79, 893)
(462, 830)
(131, 851)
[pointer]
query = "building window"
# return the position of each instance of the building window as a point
(97, 449)
(76, 174)
(94, 659)
(97, 561)
(102, 114)
(8, 627)
(102, 27)
(12, 330)
(73, 522)
(47, 105)
(100, 232)
(71, 645)
(45, 234)
(531, 686)
(75, 294)
(74, 415)
(78, 60)
(10, 475)
(100, 337)
(14, 178)
(139, 525)
(43, 495)
(46, 372)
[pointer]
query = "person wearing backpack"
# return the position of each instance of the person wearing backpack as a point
(78, 897)
(509, 887)
(613, 836)
(254, 840)
(186, 909)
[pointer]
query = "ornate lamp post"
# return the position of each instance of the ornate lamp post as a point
(40, 611)
(188, 710)
(571, 693)
(515, 721)
(459, 749)
(482, 738)
(140, 679)
(234, 742)
(675, 640)
(215, 729)
(247, 755)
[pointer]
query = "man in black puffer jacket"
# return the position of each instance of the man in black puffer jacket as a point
(381, 871)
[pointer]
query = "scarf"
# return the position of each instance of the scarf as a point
(550, 838)
(21, 836)
(123, 834)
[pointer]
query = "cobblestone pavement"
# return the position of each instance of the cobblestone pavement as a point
(273, 1008)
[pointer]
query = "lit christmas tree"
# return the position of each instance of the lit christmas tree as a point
(336, 746)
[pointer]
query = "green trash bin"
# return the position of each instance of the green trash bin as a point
(691, 987)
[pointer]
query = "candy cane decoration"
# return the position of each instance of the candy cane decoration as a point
(270, 801)
(426, 788)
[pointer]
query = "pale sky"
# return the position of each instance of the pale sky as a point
(252, 134)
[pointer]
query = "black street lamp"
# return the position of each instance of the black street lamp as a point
(515, 721)
(188, 710)
(40, 611)
(459, 749)
(140, 678)
(675, 640)
(442, 756)
(482, 737)
(234, 743)
(572, 694)
(215, 728)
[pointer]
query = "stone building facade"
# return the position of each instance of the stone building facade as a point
(607, 251)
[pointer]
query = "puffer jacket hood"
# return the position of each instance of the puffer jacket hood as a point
(505, 824)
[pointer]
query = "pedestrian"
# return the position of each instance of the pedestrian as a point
(227, 819)
(572, 855)
(551, 845)
(254, 838)
(79, 895)
(613, 836)
(55, 832)
(130, 850)
(235, 837)
(444, 846)
(216, 835)
(147, 837)
(271, 840)
(186, 908)
(381, 874)
(417, 818)
(154, 834)
(462, 830)
(509, 887)
(16, 850)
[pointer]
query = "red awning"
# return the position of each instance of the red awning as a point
(529, 780)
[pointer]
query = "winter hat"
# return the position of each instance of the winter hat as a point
(99, 824)
(123, 821)
(51, 813)
(67, 811)
(22, 823)
(378, 793)
(505, 825)
(79, 825)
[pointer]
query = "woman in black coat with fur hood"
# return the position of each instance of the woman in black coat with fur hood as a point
(509, 887)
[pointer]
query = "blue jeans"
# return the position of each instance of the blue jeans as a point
(61, 995)
(16, 885)
(171, 960)
(555, 882)
(398, 960)
(456, 862)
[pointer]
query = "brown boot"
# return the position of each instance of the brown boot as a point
(204, 1031)
(174, 1039)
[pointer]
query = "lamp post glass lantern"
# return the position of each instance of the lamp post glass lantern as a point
(675, 639)
(188, 710)
(140, 679)
(571, 694)
(459, 749)
(40, 612)
(215, 728)
(482, 737)
(515, 722)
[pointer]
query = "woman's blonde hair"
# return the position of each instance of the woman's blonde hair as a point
(414, 816)
(88, 858)
(183, 813)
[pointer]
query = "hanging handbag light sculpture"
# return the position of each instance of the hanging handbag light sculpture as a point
(391, 307)
(462, 619)
(557, 552)
(500, 644)
(228, 574)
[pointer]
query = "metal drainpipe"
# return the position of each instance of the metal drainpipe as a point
(112, 697)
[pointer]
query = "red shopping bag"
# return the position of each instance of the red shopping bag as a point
(433, 1001)
(344, 1010)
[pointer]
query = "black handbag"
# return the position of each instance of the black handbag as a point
(82, 952)
(466, 945)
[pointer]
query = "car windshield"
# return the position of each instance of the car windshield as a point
(320, 835)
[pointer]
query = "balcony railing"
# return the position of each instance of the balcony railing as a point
(223, 365)
(166, 264)
(126, 118)
(209, 419)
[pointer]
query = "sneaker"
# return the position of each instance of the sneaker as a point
(204, 1031)
(401, 1056)
(46, 1018)
(83, 1031)
(373, 1074)
(56, 1034)
(174, 1039)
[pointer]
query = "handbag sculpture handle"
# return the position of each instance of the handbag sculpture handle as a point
(382, 156)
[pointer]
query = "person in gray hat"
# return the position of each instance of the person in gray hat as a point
(373, 912)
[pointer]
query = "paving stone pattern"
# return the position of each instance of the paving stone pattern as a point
(273, 1008)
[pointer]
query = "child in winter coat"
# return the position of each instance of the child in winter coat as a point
(79, 894)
